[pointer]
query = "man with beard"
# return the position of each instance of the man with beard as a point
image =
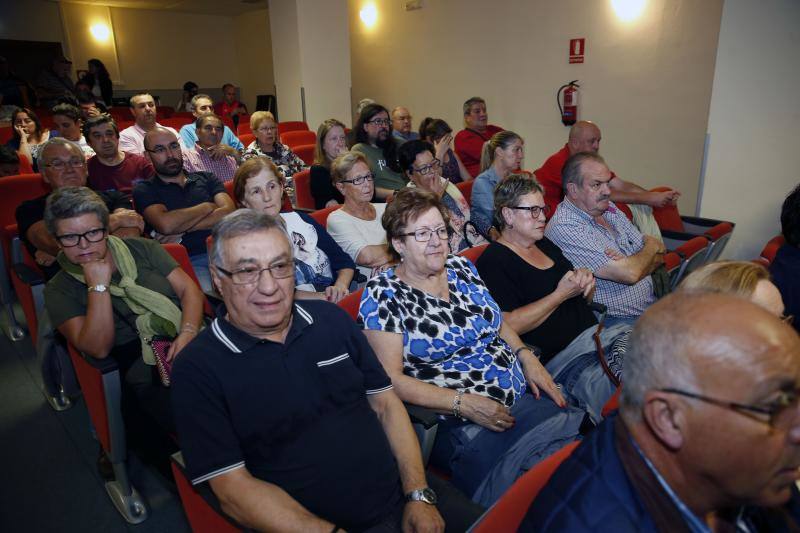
(594, 234)
(477, 130)
(179, 206)
(143, 109)
(206, 154)
(111, 168)
(585, 136)
(374, 139)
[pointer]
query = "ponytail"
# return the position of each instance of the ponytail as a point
(502, 139)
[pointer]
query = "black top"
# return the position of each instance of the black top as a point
(30, 212)
(785, 270)
(294, 414)
(322, 188)
(514, 283)
(199, 187)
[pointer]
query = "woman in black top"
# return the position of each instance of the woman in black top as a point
(99, 81)
(331, 141)
(543, 297)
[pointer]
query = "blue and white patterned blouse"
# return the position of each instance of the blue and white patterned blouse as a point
(453, 344)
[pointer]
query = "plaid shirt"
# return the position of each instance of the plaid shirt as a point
(584, 243)
(196, 159)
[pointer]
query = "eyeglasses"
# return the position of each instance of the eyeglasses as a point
(59, 165)
(249, 275)
(160, 149)
(266, 129)
(73, 239)
(534, 210)
(425, 234)
(430, 167)
(358, 180)
(380, 122)
(785, 401)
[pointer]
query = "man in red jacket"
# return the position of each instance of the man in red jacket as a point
(477, 131)
(585, 136)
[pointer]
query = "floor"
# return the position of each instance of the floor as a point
(48, 459)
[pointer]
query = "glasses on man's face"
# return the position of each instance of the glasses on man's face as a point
(533, 210)
(380, 122)
(161, 149)
(433, 166)
(425, 234)
(60, 165)
(784, 402)
(250, 275)
(358, 180)
(68, 240)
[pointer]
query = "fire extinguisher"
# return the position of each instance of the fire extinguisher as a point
(569, 108)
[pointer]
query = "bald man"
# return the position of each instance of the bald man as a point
(708, 433)
(585, 136)
(401, 125)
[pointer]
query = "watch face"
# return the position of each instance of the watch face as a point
(428, 496)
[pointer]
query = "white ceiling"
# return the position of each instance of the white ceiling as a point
(206, 7)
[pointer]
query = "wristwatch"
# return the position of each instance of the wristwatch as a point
(98, 288)
(425, 495)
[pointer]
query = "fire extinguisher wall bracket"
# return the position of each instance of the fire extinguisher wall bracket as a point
(568, 104)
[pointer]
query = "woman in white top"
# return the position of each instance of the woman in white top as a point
(357, 227)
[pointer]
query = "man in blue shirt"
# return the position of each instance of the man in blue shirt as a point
(202, 104)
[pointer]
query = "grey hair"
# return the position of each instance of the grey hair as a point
(197, 97)
(243, 222)
(61, 141)
(508, 192)
(471, 102)
(572, 171)
(71, 202)
(364, 102)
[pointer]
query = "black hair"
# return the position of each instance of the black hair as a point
(790, 217)
(409, 151)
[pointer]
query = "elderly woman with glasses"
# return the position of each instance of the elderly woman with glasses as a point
(356, 226)
(544, 298)
(424, 170)
(322, 269)
(112, 296)
(267, 143)
(443, 341)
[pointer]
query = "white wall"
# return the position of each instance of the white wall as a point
(286, 58)
(30, 20)
(754, 157)
(647, 84)
(254, 56)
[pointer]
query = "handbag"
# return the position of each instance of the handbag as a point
(161, 345)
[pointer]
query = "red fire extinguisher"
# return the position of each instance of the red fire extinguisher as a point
(568, 106)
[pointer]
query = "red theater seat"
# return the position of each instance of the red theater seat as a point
(292, 125)
(302, 190)
(296, 138)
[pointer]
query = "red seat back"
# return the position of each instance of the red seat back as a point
(13, 191)
(473, 253)
(246, 138)
(351, 303)
(91, 382)
(179, 254)
(164, 111)
(667, 217)
(296, 138)
(292, 125)
(625, 210)
(510, 509)
(175, 122)
(202, 517)
(6, 134)
(321, 215)
(466, 190)
(244, 125)
(23, 290)
(305, 152)
(302, 189)
(771, 248)
(24, 165)
(184, 115)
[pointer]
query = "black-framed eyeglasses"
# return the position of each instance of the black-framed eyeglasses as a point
(58, 164)
(68, 240)
(358, 180)
(380, 121)
(160, 149)
(249, 275)
(533, 210)
(785, 400)
(425, 234)
(430, 167)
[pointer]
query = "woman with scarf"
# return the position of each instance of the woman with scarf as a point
(113, 296)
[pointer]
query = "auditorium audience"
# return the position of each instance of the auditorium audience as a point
(544, 298)
(424, 171)
(322, 269)
(143, 109)
(68, 122)
(202, 104)
(185, 105)
(99, 81)
(229, 106)
(707, 431)
(111, 297)
(9, 162)
(208, 154)
(592, 233)
(439, 133)
(62, 164)
(89, 104)
(55, 82)
(331, 143)
(111, 168)
(500, 156)
(356, 226)
(373, 138)
(477, 131)
(180, 206)
(785, 268)
(284, 410)
(28, 135)
(443, 342)
(585, 136)
(401, 125)
(267, 143)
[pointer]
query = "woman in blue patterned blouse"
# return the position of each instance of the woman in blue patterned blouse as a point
(441, 338)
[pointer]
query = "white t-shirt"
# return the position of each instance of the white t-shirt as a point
(353, 234)
(312, 269)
